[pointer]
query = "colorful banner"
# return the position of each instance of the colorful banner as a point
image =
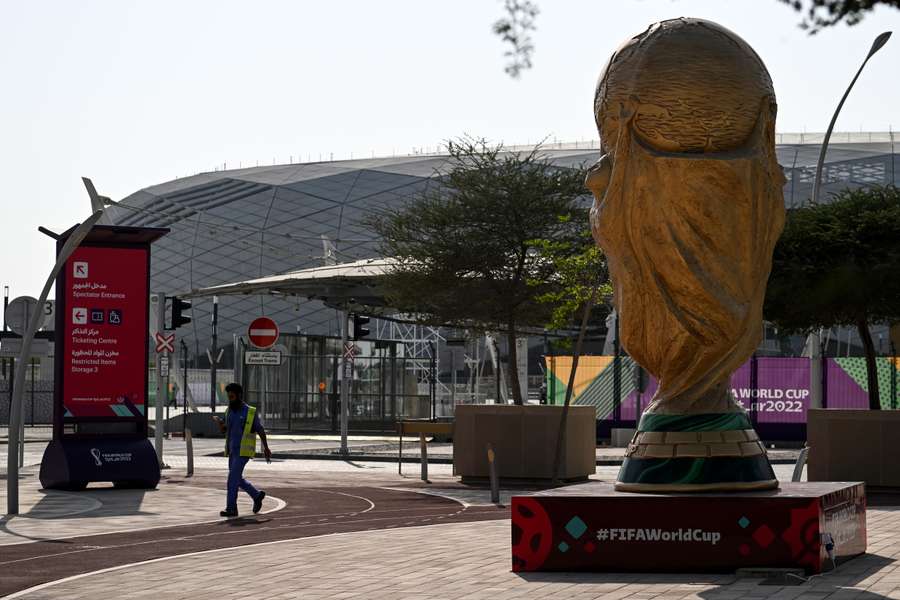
(779, 395)
(847, 385)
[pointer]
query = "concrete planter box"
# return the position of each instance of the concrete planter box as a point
(854, 445)
(524, 440)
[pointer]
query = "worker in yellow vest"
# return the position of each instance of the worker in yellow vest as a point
(241, 426)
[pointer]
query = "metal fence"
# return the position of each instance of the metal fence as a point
(303, 392)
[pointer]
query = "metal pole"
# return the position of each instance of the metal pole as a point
(433, 380)
(15, 409)
(21, 457)
(814, 344)
(345, 381)
(423, 457)
(21, 382)
(184, 385)
(32, 393)
(212, 354)
(880, 41)
(453, 376)
(160, 385)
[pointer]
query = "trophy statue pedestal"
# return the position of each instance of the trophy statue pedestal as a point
(594, 527)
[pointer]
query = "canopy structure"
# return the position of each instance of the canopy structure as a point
(353, 286)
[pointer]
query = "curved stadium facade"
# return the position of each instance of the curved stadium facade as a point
(235, 225)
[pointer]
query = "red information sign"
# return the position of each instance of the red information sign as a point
(263, 332)
(104, 354)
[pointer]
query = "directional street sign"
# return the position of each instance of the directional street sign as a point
(165, 343)
(255, 357)
(263, 332)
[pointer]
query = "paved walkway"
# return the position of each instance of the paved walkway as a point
(49, 514)
(454, 561)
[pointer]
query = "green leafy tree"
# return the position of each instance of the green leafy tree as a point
(839, 264)
(469, 249)
(583, 282)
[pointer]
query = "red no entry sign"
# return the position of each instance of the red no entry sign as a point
(263, 332)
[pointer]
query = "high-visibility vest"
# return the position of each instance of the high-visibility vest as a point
(248, 439)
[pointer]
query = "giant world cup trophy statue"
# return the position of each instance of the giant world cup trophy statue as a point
(688, 207)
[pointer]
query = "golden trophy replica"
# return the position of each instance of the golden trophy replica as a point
(688, 207)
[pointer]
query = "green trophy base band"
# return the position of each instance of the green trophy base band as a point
(704, 422)
(696, 473)
(686, 474)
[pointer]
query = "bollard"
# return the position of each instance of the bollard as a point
(189, 448)
(492, 469)
(423, 449)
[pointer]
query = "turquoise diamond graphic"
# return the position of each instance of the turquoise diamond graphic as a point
(743, 522)
(563, 547)
(576, 527)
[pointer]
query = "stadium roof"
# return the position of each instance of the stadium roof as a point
(245, 224)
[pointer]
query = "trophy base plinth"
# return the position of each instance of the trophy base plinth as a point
(695, 453)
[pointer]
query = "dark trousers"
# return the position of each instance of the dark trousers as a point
(236, 464)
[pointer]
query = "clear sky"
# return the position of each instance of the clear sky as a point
(136, 93)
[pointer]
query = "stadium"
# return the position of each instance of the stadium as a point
(236, 225)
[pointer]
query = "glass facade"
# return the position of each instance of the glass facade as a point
(234, 225)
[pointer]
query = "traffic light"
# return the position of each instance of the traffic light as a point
(359, 329)
(179, 307)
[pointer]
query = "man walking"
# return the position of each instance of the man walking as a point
(241, 426)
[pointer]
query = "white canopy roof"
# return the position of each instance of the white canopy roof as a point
(353, 284)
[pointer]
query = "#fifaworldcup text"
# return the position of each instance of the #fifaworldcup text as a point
(641, 534)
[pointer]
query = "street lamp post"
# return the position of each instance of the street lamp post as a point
(15, 408)
(814, 341)
(880, 41)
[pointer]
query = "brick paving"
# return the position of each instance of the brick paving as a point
(299, 553)
(50, 514)
(455, 561)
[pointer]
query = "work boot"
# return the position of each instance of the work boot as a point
(257, 503)
(228, 513)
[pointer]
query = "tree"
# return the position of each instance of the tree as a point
(826, 13)
(519, 21)
(839, 264)
(583, 279)
(469, 247)
(514, 30)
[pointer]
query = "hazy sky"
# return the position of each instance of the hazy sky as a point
(136, 93)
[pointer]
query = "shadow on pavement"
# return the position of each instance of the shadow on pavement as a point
(845, 578)
(117, 502)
